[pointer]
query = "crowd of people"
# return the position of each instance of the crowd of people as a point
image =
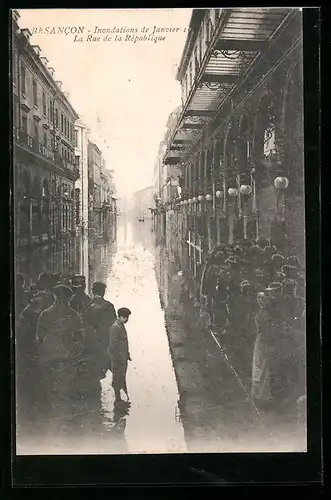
(66, 341)
(254, 297)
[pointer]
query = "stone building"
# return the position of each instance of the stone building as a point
(102, 195)
(239, 137)
(44, 167)
(142, 203)
(81, 185)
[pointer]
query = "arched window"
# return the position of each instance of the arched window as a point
(265, 149)
(243, 144)
(26, 184)
(218, 164)
(36, 188)
(45, 189)
(229, 157)
(209, 167)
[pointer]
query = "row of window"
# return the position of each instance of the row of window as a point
(66, 154)
(203, 39)
(56, 117)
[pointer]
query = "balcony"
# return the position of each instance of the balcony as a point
(30, 143)
(239, 39)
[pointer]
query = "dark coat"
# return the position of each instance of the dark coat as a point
(119, 354)
(79, 301)
(98, 317)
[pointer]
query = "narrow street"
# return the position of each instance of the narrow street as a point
(185, 394)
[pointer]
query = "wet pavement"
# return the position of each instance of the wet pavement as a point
(185, 395)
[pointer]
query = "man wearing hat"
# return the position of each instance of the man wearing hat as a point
(233, 291)
(218, 305)
(98, 316)
(275, 290)
(80, 299)
(60, 339)
(44, 284)
(209, 278)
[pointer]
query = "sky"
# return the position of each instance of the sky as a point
(123, 91)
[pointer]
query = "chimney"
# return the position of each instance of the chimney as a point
(44, 60)
(59, 84)
(51, 70)
(37, 49)
(26, 32)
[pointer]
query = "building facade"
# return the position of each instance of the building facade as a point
(101, 195)
(43, 147)
(143, 201)
(167, 180)
(239, 137)
(81, 184)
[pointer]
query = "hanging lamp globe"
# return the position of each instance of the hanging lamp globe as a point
(218, 194)
(281, 183)
(209, 197)
(245, 189)
(233, 192)
(201, 197)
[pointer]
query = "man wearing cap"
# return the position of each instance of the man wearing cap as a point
(98, 316)
(60, 339)
(80, 299)
(119, 353)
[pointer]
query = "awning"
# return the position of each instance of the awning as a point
(240, 36)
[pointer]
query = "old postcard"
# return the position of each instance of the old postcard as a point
(158, 161)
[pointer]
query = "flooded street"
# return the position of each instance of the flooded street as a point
(151, 424)
(185, 394)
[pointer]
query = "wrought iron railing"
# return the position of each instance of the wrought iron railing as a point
(39, 148)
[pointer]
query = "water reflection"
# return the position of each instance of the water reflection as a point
(127, 266)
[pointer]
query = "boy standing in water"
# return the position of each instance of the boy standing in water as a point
(119, 353)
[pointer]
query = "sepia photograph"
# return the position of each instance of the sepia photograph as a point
(159, 231)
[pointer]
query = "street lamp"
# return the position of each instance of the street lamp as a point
(209, 197)
(233, 192)
(190, 201)
(281, 183)
(218, 194)
(201, 197)
(245, 189)
(195, 199)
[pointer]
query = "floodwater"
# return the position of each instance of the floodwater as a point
(150, 425)
(143, 276)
